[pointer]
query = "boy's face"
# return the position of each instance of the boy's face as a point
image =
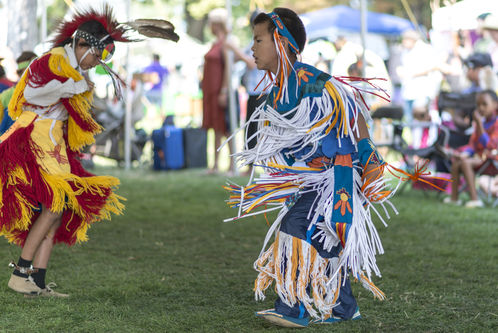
(264, 52)
(486, 106)
(90, 60)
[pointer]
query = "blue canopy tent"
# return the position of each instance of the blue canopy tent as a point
(321, 22)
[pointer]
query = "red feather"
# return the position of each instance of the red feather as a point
(66, 29)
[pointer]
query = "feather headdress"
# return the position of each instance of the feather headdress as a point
(70, 29)
(153, 28)
(67, 28)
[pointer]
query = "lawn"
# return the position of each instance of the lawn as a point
(170, 264)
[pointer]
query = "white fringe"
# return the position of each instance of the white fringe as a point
(294, 130)
(317, 273)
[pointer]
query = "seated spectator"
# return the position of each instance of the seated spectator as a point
(4, 82)
(479, 73)
(424, 128)
(23, 62)
(482, 143)
(457, 108)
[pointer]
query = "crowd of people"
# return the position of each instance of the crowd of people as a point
(457, 90)
(432, 86)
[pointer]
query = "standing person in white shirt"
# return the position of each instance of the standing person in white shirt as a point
(418, 72)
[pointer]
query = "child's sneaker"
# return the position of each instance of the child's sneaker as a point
(281, 320)
(474, 204)
(334, 319)
(24, 285)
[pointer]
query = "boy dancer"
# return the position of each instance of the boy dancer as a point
(322, 172)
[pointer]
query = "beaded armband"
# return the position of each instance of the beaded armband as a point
(368, 154)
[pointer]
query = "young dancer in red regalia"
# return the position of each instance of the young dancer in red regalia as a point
(46, 197)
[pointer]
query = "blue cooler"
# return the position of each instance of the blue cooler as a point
(168, 148)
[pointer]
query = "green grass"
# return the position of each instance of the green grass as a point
(170, 264)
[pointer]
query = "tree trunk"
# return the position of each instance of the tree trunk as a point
(22, 32)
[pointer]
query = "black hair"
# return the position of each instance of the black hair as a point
(354, 69)
(26, 56)
(156, 57)
(491, 93)
(291, 21)
(2, 71)
(254, 14)
(94, 28)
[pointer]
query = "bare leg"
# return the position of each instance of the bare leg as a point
(232, 162)
(45, 249)
(217, 143)
(39, 230)
(468, 172)
(455, 177)
(39, 242)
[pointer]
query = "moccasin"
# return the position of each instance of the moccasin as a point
(49, 292)
(281, 320)
(24, 285)
(334, 319)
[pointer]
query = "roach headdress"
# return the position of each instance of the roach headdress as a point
(71, 30)
(67, 28)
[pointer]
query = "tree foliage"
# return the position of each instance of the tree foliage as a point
(55, 13)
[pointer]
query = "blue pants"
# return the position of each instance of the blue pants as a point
(295, 223)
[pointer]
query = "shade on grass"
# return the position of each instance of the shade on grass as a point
(170, 264)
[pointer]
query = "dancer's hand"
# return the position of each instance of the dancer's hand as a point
(90, 84)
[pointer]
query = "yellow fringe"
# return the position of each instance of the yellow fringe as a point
(64, 197)
(265, 278)
(303, 260)
(77, 138)
(283, 167)
(81, 235)
(372, 287)
(18, 176)
(26, 211)
(304, 267)
(338, 111)
(63, 192)
(17, 100)
(59, 65)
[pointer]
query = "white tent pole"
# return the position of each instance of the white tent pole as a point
(43, 28)
(363, 36)
(128, 101)
(231, 96)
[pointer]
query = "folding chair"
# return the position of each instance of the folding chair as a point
(434, 152)
(489, 168)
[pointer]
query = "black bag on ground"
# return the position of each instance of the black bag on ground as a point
(195, 145)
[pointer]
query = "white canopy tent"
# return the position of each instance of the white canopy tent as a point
(462, 15)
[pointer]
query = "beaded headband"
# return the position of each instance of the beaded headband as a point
(106, 48)
(282, 30)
